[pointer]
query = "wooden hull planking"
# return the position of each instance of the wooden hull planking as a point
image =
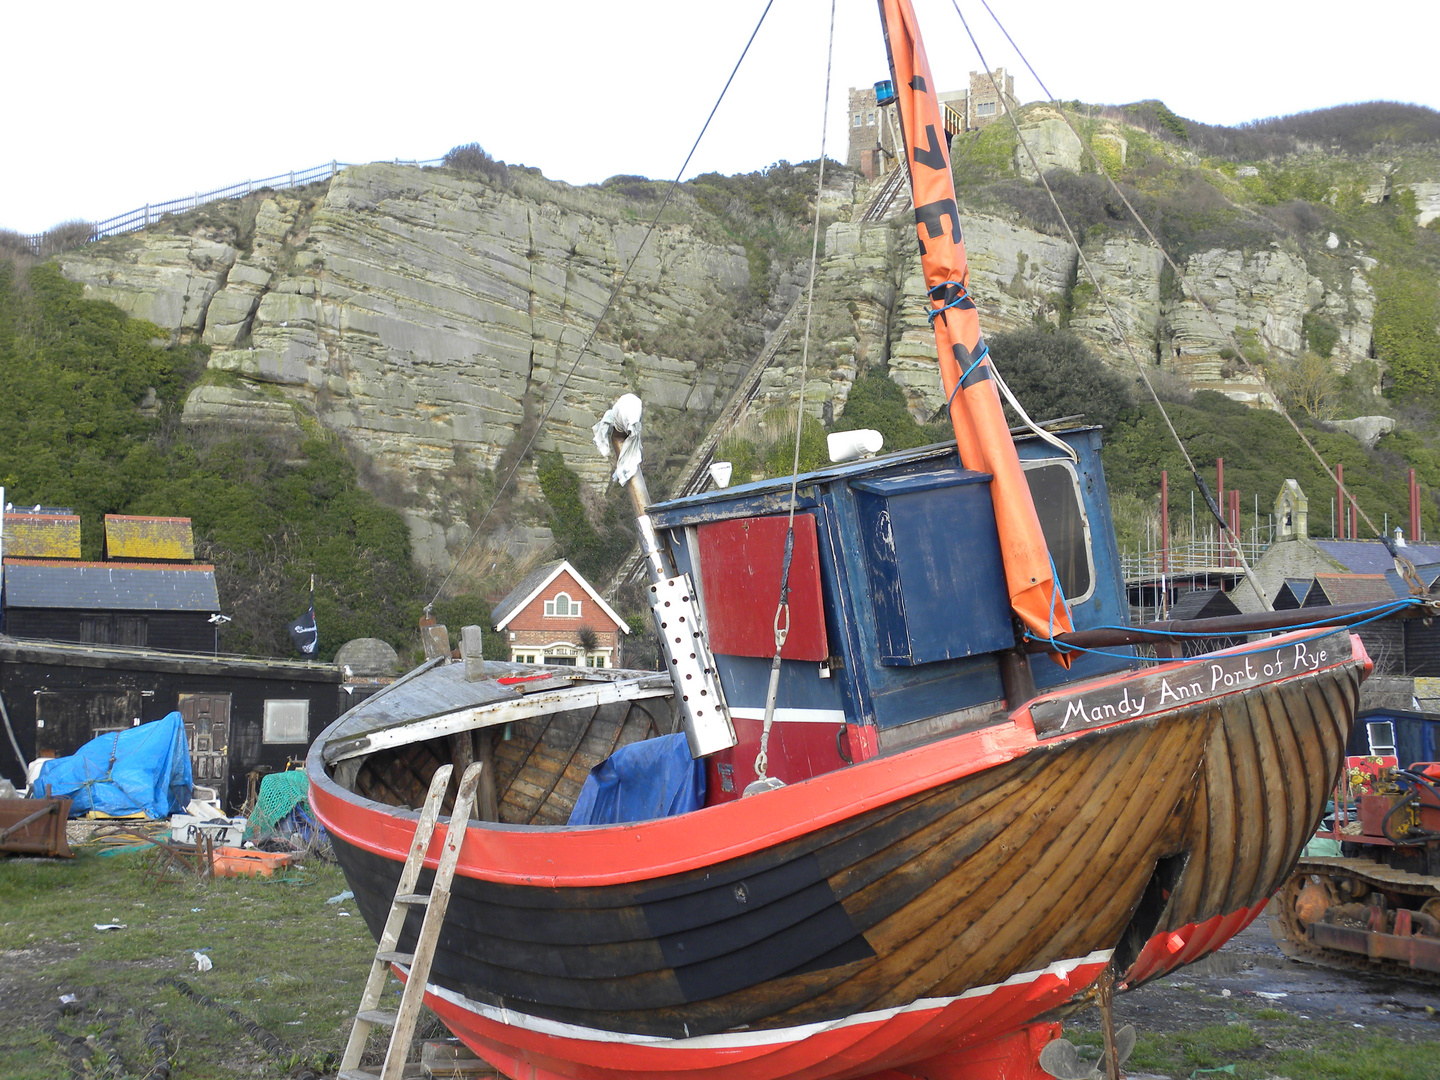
(901, 927)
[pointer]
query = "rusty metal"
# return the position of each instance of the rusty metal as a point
(1422, 953)
(1228, 625)
(35, 827)
(1312, 900)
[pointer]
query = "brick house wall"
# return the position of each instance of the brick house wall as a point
(538, 634)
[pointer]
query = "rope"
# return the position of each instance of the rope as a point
(1225, 530)
(609, 303)
(1381, 611)
(762, 759)
(1185, 280)
(961, 295)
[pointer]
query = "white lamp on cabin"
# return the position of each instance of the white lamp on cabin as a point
(851, 445)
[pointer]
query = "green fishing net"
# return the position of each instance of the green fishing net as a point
(279, 794)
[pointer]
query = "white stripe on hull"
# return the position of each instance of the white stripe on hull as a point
(741, 1039)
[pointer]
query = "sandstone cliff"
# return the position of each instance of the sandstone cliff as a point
(427, 317)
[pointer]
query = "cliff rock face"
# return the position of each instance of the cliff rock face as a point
(428, 317)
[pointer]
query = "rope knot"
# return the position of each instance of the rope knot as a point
(950, 294)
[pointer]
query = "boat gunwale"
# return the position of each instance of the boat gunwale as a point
(600, 855)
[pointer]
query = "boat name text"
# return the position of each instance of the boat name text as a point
(1149, 694)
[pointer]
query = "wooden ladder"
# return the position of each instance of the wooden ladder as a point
(402, 1021)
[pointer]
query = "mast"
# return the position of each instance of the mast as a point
(981, 432)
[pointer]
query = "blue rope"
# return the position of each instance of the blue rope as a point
(964, 294)
(1381, 612)
(963, 376)
(1057, 591)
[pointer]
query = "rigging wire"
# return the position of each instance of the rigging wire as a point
(1194, 293)
(1225, 529)
(609, 303)
(782, 631)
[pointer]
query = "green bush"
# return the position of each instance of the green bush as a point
(1054, 373)
(876, 402)
(1321, 335)
(267, 512)
(472, 160)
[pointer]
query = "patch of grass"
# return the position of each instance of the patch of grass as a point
(283, 958)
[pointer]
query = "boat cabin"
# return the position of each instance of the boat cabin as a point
(899, 620)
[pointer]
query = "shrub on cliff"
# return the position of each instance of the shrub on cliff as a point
(472, 160)
(1054, 373)
(267, 512)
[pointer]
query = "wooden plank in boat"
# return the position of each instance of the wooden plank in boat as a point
(1169, 688)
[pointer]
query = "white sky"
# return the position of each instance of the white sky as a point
(110, 106)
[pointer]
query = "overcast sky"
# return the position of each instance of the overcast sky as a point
(110, 106)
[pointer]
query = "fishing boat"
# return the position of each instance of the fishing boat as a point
(906, 795)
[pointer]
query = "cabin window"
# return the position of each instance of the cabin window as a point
(1055, 487)
(562, 607)
(287, 721)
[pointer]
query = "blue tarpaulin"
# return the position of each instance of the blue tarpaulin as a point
(144, 768)
(651, 779)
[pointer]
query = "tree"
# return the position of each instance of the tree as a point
(1308, 384)
(1054, 373)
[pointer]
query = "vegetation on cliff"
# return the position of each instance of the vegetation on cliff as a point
(94, 425)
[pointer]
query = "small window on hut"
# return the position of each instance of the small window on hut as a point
(287, 721)
(1055, 487)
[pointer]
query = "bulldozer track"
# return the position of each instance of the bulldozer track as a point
(1290, 937)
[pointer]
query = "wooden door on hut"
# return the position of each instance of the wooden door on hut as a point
(207, 730)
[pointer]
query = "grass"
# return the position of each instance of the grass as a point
(1256, 1043)
(282, 958)
(286, 960)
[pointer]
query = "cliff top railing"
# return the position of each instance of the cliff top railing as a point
(146, 215)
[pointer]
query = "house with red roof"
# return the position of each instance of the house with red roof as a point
(554, 616)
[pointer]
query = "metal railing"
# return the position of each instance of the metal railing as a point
(1194, 557)
(144, 216)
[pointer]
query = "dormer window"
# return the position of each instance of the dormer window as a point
(562, 607)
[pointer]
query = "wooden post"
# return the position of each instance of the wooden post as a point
(1220, 502)
(472, 651)
(1340, 496)
(434, 637)
(1414, 523)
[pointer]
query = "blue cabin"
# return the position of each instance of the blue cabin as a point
(900, 624)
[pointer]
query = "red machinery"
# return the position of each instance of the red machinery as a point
(1377, 905)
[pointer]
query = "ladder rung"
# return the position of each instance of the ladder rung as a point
(381, 1017)
(419, 899)
(395, 958)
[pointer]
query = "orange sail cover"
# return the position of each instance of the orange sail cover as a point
(981, 432)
